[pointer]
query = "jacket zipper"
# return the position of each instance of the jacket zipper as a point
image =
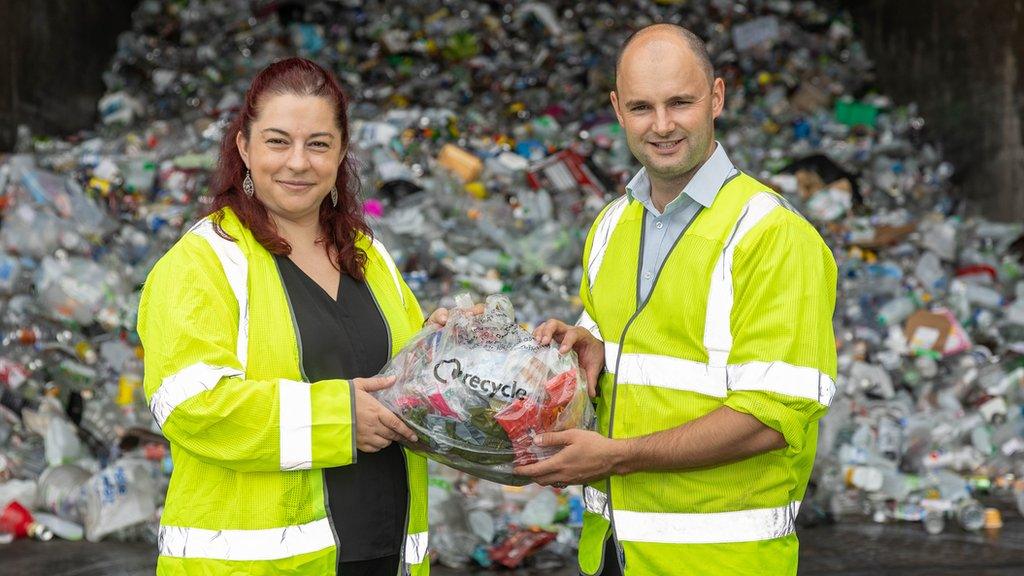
(302, 372)
(622, 342)
(403, 567)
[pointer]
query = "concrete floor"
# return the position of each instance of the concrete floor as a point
(858, 548)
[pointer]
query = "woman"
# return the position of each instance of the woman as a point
(260, 327)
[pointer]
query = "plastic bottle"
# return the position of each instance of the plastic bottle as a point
(890, 438)
(970, 514)
(983, 296)
(865, 478)
(899, 486)
(60, 491)
(540, 510)
(576, 510)
(16, 491)
(871, 378)
(929, 272)
(61, 528)
(927, 366)
(10, 272)
(896, 310)
(61, 440)
(1018, 494)
(934, 521)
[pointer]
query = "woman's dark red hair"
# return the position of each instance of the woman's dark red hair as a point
(340, 224)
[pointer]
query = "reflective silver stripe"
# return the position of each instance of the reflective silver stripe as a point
(666, 372)
(596, 502)
(416, 547)
(296, 412)
(712, 528)
(783, 378)
(236, 268)
(603, 234)
(184, 384)
(588, 324)
(611, 354)
(679, 374)
(266, 544)
(390, 263)
(717, 331)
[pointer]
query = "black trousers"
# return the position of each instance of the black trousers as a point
(386, 566)
(611, 560)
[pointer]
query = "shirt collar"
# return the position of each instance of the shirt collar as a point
(703, 187)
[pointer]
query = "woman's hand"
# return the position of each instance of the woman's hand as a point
(376, 426)
(440, 316)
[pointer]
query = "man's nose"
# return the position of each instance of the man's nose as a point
(663, 122)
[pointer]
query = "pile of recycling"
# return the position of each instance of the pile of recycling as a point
(487, 146)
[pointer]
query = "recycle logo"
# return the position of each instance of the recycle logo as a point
(450, 370)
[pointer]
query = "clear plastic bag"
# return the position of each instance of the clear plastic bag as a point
(478, 390)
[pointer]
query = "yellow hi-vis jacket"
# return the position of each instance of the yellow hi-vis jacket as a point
(249, 437)
(740, 315)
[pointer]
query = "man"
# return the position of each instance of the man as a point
(708, 306)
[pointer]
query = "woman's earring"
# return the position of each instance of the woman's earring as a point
(247, 185)
(334, 196)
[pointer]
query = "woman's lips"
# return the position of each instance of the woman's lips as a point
(297, 186)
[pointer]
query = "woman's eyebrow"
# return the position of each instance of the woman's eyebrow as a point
(313, 135)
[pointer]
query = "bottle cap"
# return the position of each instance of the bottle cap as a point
(993, 519)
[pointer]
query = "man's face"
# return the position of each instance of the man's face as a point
(666, 107)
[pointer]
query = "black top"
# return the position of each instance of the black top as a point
(347, 338)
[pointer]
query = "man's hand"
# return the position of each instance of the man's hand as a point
(585, 457)
(589, 350)
(439, 317)
(376, 426)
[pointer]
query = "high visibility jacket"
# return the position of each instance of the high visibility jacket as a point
(740, 315)
(249, 435)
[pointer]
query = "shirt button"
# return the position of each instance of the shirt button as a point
(647, 275)
(659, 225)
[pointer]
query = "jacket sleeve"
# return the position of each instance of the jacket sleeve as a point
(782, 365)
(196, 385)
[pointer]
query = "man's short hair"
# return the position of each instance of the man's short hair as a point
(697, 46)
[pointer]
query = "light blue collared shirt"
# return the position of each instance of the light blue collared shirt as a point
(662, 229)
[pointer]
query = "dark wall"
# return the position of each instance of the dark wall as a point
(963, 62)
(52, 55)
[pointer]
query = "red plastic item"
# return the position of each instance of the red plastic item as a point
(520, 420)
(27, 336)
(17, 520)
(523, 418)
(154, 452)
(519, 545)
(565, 171)
(560, 389)
(441, 405)
(977, 270)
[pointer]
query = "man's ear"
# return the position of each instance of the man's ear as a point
(615, 106)
(718, 97)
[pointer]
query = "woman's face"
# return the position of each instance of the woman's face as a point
(293, 152)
